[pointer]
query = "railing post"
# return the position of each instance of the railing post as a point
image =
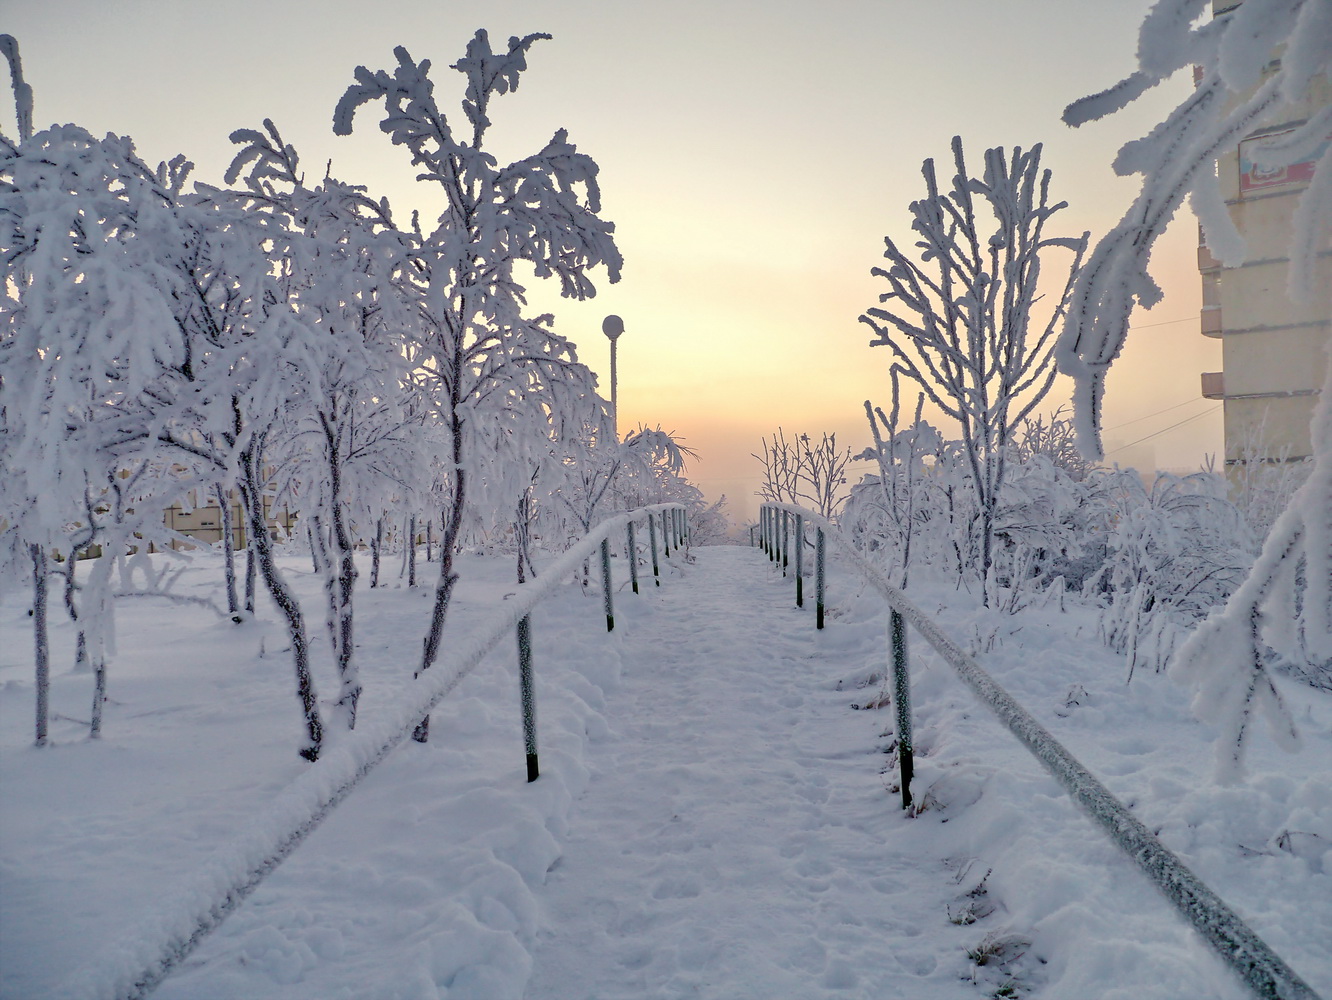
(800, 559)
(665, 537)
(528, 696)
(767, 532)
(902, 698)
(786, 540)
(652, 537)
(818, 579)
(633, 558)
(606, 585)
(751, 536)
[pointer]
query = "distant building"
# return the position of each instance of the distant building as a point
(186, 517)
(1273, 349)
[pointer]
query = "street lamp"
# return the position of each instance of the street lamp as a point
(612, 326)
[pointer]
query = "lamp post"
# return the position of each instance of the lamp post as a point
(612, 326)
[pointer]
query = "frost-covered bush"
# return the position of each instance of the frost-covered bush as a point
(1175, 550)
(1263, 478)
(1047, 522)
(1155, 559)
(1253, 64)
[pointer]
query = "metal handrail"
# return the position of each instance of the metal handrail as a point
(1257, 965)
(141, 960)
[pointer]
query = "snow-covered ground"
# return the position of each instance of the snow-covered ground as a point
(712, 818)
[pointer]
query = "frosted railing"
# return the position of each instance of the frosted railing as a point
(1261, 969)
(137, 963)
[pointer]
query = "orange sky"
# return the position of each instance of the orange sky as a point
(753, 156)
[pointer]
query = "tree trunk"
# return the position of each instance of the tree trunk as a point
(522, 532)
(411, 551)
(228, 544)
(447, 578)
(262, 547)
(250, 569)
(349, 674)
(341, 584)
(41, 642)
(375, 546)
(99, 697)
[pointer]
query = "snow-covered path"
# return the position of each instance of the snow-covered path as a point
(712, 818)
(734, 840)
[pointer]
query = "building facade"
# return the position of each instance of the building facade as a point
(1274, 349)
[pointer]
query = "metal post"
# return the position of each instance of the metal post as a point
(606, 585)
(528, 696)
(818, 579)
(902, 697)
(633, 558)
(665, 537)
(652, 537)
(786, 540)
(800, 559)
(751, 536)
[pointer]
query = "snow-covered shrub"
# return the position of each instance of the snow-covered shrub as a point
(1046, 520)
(1176, 550)
(899, 454)
(1263, 478)
(1055, 439)
(1252, 63)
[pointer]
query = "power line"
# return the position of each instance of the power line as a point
(1164, 322)
(1181, 423)
(1192, 399)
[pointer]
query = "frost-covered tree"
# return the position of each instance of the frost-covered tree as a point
(602, 475)
(710, 524)
(85, 330)
(1252, 61)
(193, 348)
(805, 470)
(780, 459)
(351, 440)
(961, 315)
(541, 210)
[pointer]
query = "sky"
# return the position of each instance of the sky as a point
(753, 157)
